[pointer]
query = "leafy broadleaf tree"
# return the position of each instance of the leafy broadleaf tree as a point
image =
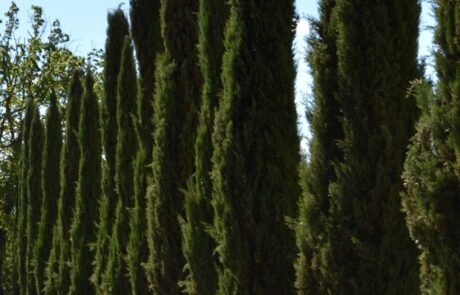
(369, 244)
(117, 29)
(34, 195)
(432, 168)
(198, 245)
(58, 271)
(51, 177)
(116, 279)
(176, 100)
(83, 229)
(256, 151)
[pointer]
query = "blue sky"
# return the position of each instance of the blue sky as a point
(85, 21)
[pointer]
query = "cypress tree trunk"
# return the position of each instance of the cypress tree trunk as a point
(51, 188)
(118, 28)
(83, 229)
(256, 151)
(145, 29)
(34, 194)
(377, 58)
(319, 172)
(58, 271)
(432, 168)
(21, 238)
(198, 246)
(175, 119)
(117, 282)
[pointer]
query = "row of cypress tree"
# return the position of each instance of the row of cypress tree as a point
(353, 235)
(183, 176)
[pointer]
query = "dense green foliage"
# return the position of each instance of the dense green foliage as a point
(368, 246)
(117, 281)
(432, 169)
(21, 229)
(83, 228)
(58, 271)
(117, 29)
(35, 58)
(324, 152)
(34, 195)
(175, 118)
(198, 245)
(189, 178)
(256, 151)
(146, 33)
(51, 177)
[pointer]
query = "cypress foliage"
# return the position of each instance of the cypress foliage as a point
(256, 151)
(118, 28)
(175, 118)
(145, 29)
(51, 189)
(432, 168)
(137, 249)
(58, 271)
(35, 195)
(324, 117)
(125, 154)
(198, 246)
(83, 229)
(324, 151)
(21, 236)
(146, 33)
(370, 248)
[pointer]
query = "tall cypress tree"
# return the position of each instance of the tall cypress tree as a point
(51, 189)
(432, 168)
(319, 172)
(58, 271)
(175, 119)
(21, 228)
(377, 58)
(256, 151)
(118, 28)
(146, 33)
(116, 278)
(83, 228)
(198, 246)
(34, 194)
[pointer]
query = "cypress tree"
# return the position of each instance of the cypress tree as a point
(432, 168)
(35, 195)
(21, 236)
(58, 271)
(118, 28)
(198, 246)
(175, 118)
(125, 154)
(146, 33)
(51, 189)
(370, 248)
(83, 228)
(256, 151)
(137, 249)
(324, 117)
